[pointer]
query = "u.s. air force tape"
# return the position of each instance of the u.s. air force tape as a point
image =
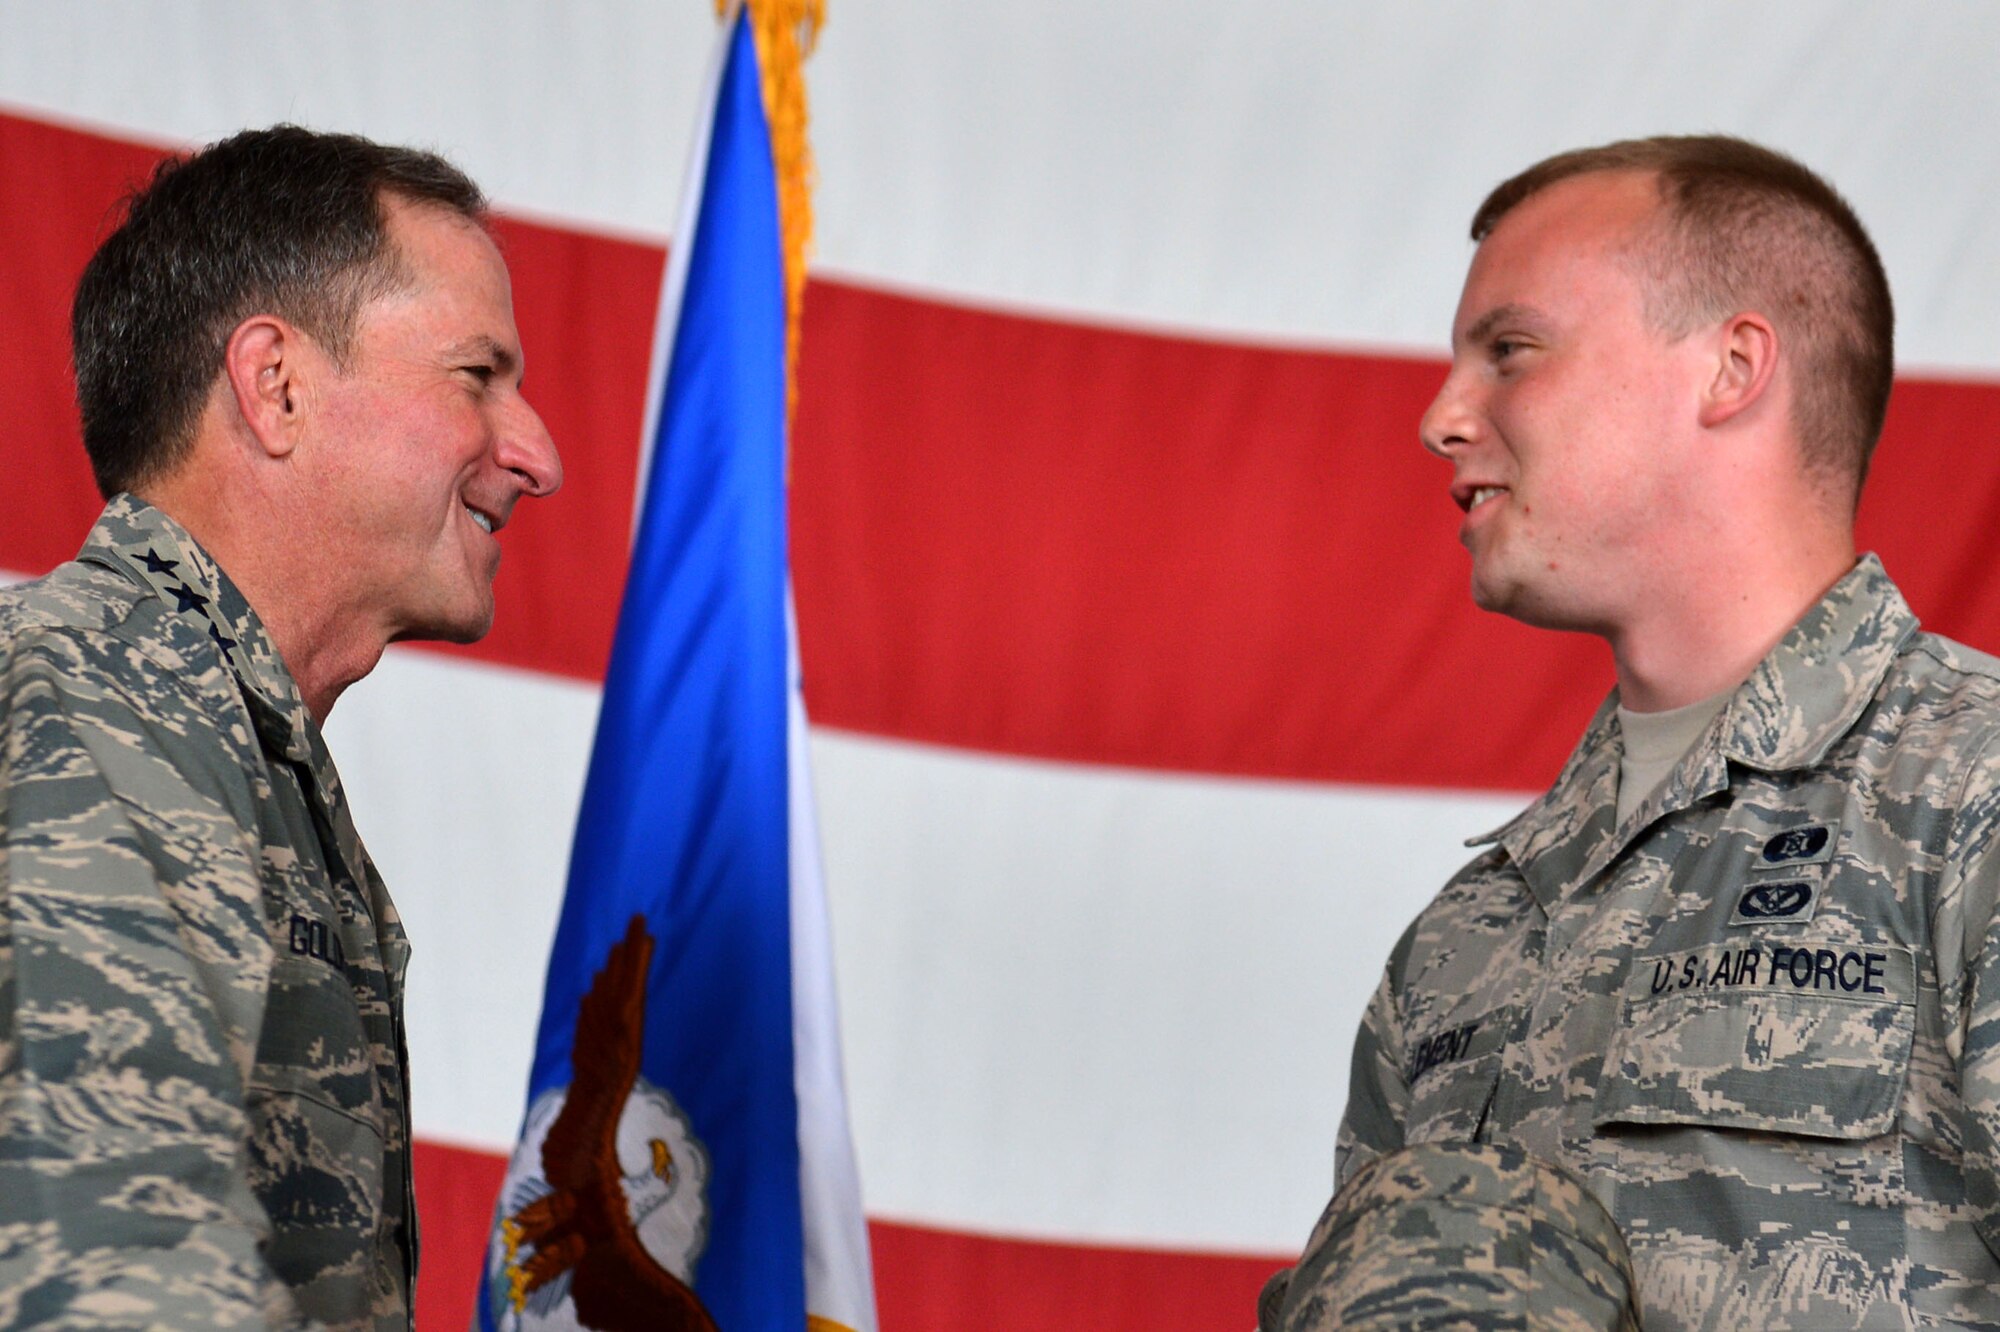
(1865, 973)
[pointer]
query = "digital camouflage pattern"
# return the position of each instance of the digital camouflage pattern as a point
(1437, 1236)
(1762, 1017)
(203, 1117)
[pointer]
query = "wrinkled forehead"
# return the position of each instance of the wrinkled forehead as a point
(449, 266)
(450, 299)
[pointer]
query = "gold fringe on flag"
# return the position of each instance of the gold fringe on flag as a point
(814, 1323)
(786, 31)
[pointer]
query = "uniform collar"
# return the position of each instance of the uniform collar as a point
(1812, 688)
(1807, 693)
(204, 612)
(134, 538)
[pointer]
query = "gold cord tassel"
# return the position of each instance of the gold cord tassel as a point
(786, 31)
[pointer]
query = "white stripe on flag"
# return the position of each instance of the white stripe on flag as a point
(1109, 1005)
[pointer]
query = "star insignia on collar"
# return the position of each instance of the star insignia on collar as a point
(154, 564)
(189, 599)
(222, 640)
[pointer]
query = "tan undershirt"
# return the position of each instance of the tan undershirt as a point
(1655, 742)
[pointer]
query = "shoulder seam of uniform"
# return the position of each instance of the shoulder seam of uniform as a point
(1953, 655)
(1988, 735)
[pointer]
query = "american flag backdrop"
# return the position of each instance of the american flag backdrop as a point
(1148, 702)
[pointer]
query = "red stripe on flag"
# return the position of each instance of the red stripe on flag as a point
(58, 190)
(926, 1279)
(456, 1190)
(930, 1280)
(1090, 544)
(1025, 536)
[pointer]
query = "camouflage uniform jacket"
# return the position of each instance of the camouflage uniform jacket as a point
(203, 1119)
(1762, 1016)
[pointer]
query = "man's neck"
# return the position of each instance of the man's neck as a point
(1704, 639)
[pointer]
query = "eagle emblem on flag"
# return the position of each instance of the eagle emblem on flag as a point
(604, 1214)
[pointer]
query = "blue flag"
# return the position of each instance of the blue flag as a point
(665, 1177)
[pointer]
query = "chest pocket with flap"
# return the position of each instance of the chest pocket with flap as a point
(1788, 1037)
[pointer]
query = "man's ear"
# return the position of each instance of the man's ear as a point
(1745, 363)
(263, 360)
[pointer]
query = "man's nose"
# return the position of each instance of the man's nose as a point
(529, 451)
(1449, 423)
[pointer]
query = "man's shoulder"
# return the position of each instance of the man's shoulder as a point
(90, 628)
(1478, 909)
(1945, 663)
(78, 596)
(96, 669)
(1941, 696)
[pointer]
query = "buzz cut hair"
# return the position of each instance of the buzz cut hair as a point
(1743, 227)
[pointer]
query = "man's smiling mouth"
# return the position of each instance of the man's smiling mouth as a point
(1471, 497)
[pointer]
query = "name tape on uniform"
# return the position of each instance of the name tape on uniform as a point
(316, 939)
(1458, 1042)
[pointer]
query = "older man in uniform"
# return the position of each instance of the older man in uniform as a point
(1739, 968)
(299, 378)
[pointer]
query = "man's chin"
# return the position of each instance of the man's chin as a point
(1533, 606)
(1496, 592)
(469, 627)
(1493, 593)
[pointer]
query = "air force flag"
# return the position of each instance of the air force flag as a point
(685, 1160)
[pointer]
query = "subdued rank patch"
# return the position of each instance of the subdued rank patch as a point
(1797, 846)
(1776, 902)
(1871, 973)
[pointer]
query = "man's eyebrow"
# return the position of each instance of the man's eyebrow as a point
(488, 349)
(1484, 326)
